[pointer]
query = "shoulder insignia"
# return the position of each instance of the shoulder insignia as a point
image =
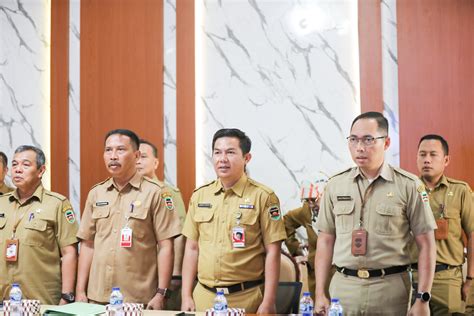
(406, 174)
(155, 181)
(274, 212)
(70, 216)
(340, 172)
(204, 185)
(262, 186)
(457, 181)
(172, 188)
(102, 182)
(168, 200)
(420, 188)
(56, 195)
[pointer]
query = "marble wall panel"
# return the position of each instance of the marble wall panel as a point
(286, 73)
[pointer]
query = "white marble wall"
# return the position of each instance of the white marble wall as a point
(390, 76)
(25, 76)
(169, 99)
(74, 105)
(286, 73)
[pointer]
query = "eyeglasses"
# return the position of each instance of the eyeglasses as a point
(366, 140)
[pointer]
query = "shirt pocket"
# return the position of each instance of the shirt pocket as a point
(35, 232)
(137, 221)
(100, 215)
(203, 219)
(344, 213)
(249, 222)
(3, 221)
(388, 219)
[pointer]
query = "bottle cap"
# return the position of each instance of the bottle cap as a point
(334, 300)
(220, 292)
(116, 289)
(15, 285)
(306, 293)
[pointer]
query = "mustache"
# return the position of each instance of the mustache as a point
(114, 163)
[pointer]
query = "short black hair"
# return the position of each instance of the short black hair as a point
(382, 122)
(440, 138)
(4, 159)
(125, 132)
(40, 157)
(153, 147)
(245, 143)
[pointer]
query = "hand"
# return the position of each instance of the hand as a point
(62, 302)
(81, 297)
(466, 287)
(322, 305)
(301, 259)
(266, 308)
(187, 304)
(157, 302)
(420, 309)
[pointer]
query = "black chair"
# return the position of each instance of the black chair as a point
(288, 297)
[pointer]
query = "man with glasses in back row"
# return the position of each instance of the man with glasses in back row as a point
(369, 217)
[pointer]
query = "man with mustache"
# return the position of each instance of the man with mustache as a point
(37, 234)
(246, 268)
(370, 216)
(4, 188)
(124, 220)
(451, 203)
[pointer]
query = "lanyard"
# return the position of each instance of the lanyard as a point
(364, 199)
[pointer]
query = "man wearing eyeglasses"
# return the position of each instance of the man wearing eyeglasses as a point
(370, 215)
(305, 216)
(451, 203)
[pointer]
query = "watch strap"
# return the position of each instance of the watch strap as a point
(165, 292)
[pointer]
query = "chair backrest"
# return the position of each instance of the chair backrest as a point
(288, 297)
(289, 270)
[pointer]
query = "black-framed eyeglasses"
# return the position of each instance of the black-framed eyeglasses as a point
(366, 140)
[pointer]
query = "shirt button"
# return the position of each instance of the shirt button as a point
(114, 230)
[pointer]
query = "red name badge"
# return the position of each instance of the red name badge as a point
(11, 250)
(126, 237)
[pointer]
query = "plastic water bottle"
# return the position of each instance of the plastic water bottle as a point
(306, 305)
(16, 309)
(116, 302)
(336, 308)
(220, 304)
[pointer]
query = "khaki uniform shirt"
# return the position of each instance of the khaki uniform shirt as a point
(176, 200)
(456, 197)
(4, 188)
(395, 210)
(47, 224)
(212, 214)
(294, 219)
(139, 205)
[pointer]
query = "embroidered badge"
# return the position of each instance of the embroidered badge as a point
(424, 197)
(390, 194)
(274, 212)
(168, 201)
(70, 216)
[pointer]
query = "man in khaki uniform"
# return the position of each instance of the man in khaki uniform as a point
(124, 220)
(4, 188)
(234, 232)
(369, 215)
(146, 166)
(305, 216)
(37, 235)
(451, 203)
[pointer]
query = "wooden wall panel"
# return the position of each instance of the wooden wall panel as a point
(186, 152)
(370, 55)
(121, 78)
(436, 74)
(59, 160)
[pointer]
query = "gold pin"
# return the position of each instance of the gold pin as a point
(137, 203)
(450, 193)
(247, 200)
(38, 210)
(390, 194)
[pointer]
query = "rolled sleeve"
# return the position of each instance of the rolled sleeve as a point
(67, 226)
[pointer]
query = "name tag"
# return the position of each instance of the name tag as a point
(11, 250)
(126, 237)
(246, 206)
(206, 205)
(344, 198)
(102, 203)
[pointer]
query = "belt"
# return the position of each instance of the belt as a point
(439, 267)
(365, 274)
(234, 288)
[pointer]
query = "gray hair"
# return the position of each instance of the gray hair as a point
(40, 157)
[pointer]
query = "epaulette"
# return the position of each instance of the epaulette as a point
(175, 189)
(7, 194)
(155, 181)
(459, 182)
(340, 172)
(406, 174)
(56, 195)
(102, 182)
(262, 186)
(204, 185)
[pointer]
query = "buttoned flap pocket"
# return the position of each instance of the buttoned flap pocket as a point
(140, 212)
(35, 232)
(249, 217)
(3, 221)
(452, 213)
(203, 218)
(344, 212)
(387, 219)
(99, 212)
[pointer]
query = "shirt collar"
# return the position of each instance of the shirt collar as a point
(385, 172)
(135, 182)
(442, 181)
(38, 194)
(237, 188)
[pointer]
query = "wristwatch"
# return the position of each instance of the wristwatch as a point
(68, 297)
(165, 292)
(424, 296)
